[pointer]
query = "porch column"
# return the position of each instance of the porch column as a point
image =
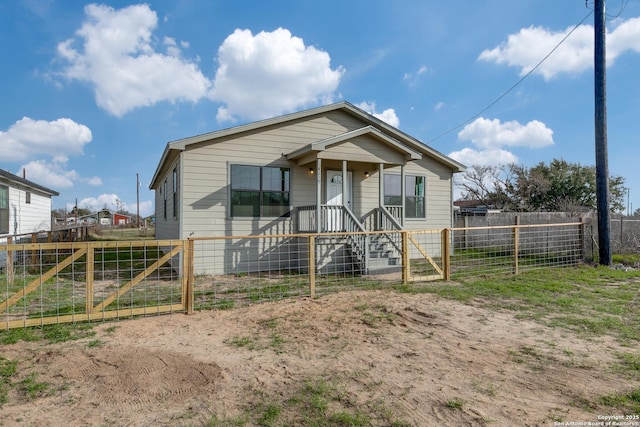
(318, 195)
(403, 192)
(345, 177)
(380, 185)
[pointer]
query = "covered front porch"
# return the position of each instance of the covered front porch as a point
(358, 184)
(352, 190)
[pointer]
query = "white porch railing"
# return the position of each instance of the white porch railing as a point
(390, 217)
(387, 220)
(306, 219)
(338, 219)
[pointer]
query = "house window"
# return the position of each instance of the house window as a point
(259, 191)
(175, 192)
(4, 209)
(164, 198)
(414, 201)
(28, 197)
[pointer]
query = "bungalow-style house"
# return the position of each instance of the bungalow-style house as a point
(25, 207)
(333, 168)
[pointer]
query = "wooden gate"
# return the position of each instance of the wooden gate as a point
(46, 283)
(429, 269)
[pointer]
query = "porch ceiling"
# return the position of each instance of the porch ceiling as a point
(367, 144)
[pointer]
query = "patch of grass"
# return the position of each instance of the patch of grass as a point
(456, 403)
(277, 343)
(67, 332)
(627, 402)
(241, 342)
(13, 336)
(53, 333)
(33, 388)
(95, 343)
(488, 389)
(269, 415)
(592, 301)
(374, 317)
(315, 403)
(629, 363)
(7, 370)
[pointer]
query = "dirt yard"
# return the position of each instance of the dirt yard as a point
(395, 359)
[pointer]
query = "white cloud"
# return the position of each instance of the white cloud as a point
(113, 202)
(119, 59)
(388, 115)
(626, 36)
(413, 78)
(54, 174)
(490, 136)
(109, 201)
(50, 174)
(530, 45)
(270, 73)
(439, 106)
(28, 138)
(146, 208)
(489, 157)
(488, 133)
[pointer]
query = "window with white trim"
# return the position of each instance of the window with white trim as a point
(414, 200)
(175, 192)
(164, 197)
(4, 209)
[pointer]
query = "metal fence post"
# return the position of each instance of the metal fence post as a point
(405, 258)
(516, 248)
(581, 234)
(10, 271)
(312, 266)
(89, 273)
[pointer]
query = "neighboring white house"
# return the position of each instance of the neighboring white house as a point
(333, 168)
(25, 207)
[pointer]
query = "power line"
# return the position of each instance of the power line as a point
(514, 85)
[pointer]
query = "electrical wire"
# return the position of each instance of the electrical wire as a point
(514, 85)
(623, 6)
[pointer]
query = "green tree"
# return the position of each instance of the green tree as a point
(557, 186)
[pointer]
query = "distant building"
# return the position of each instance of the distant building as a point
(472, 207)
(121, 219)
(25, 207)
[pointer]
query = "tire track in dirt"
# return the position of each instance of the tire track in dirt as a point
(128, 378)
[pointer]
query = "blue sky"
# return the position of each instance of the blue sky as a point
(92, 92)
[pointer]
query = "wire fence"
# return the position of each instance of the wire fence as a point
(44, 283)
(512, 249)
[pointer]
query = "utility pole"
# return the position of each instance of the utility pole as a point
(137, 201)
(602, 166)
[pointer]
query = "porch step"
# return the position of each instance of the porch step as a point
(384, 265)
(382, 258)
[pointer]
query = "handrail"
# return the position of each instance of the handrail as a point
(389, 222)
(394, 211)
(359, 241)
(306, 219)
(385, 214)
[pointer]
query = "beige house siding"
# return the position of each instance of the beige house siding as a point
(204, 177)
(206, 170)
(169, 227)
